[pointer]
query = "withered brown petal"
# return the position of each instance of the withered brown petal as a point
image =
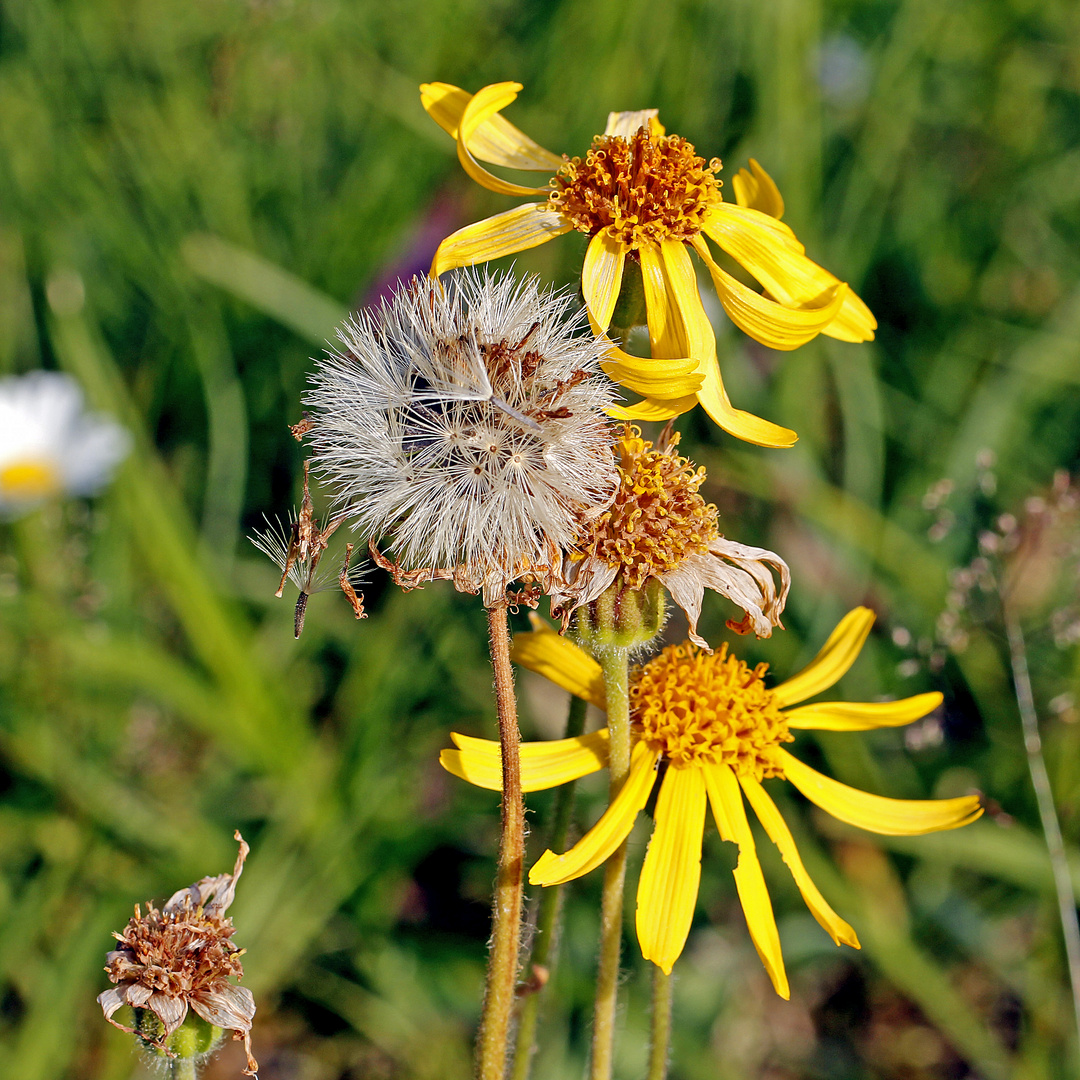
(231, 1007)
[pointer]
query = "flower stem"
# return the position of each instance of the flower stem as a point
(492, 1042)
(1044, 797)
(549, 907)
(614, 663)
(182, 1068)
(659, 1049)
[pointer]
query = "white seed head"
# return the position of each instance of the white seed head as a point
(464, 423)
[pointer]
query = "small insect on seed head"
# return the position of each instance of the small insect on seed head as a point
(464, 424)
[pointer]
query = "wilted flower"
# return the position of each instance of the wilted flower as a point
(645, 195)
(719, 730)
(182, 957)
(660, 528)
(464, 423)
(49, 445)
(297, 551)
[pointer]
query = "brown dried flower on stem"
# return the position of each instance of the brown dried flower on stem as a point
(298, 550)
(659, 528)
(182, 957)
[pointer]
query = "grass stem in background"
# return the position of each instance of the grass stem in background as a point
(615, 665)
(549, 908)
(492, 1043)
(1044, 796)
(660, 1025)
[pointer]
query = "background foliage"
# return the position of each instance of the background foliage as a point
(191, 194)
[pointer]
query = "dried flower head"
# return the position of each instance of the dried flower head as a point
(297, 550)
(659, 527)
(49, 444)
(464, 423)
(180, 957)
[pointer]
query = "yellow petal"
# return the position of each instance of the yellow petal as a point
(601, 278)
(543, 764)
(627, 124)
(861, 715)
(653, 409)
(668, 887)
(754, 240)
(482, 106)
(504, 234)
(836, 656)
(780, 834)
(892, 817)
(609, 832)
(764, 320)
(655, 378)
(701, 342)
(758, 190)
(730, 814)
(854, 322)
(667, 333)
(496, 140)
(557, 658)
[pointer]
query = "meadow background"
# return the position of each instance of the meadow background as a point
(191, 195)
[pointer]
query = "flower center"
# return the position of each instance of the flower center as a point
(642, 189)
(30, 479)
(700, 708)
(658, 519)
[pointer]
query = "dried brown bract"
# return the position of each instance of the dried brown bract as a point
(182, 957)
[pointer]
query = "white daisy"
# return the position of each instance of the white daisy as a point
(49, 445)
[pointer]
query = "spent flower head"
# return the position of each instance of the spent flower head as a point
(464, 424)
(645, 198)
(49, 444)
(297, 550)
(660, 529)
(178, 958)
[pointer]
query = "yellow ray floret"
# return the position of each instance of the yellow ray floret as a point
(642, 193)
(543, 765)
(609, 832)
(719, 731)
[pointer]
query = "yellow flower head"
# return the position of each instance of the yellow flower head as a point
(719, 730)
(659, 526)
(646, 195)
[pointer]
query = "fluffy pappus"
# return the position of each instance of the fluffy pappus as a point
(464, 424)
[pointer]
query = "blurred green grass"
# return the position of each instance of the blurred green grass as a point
(190, 194)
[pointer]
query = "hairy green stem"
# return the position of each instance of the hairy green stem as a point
(1044, 797)
(493, 1038)
(614, 663)
(182, 1068)
(548, 909)
(660, 1032)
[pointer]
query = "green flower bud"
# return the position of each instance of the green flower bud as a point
(621, 617)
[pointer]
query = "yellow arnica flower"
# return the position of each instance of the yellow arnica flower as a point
(646, 195)
(719, 731)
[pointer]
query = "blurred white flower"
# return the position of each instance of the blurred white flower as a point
(49, 444)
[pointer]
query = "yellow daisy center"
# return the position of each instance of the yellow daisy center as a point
(30, 479)
(700, 708)
(658, 519)
(642, 190)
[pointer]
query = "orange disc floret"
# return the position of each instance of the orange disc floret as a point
(700, 708)
(658, 519)
(643, 190)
